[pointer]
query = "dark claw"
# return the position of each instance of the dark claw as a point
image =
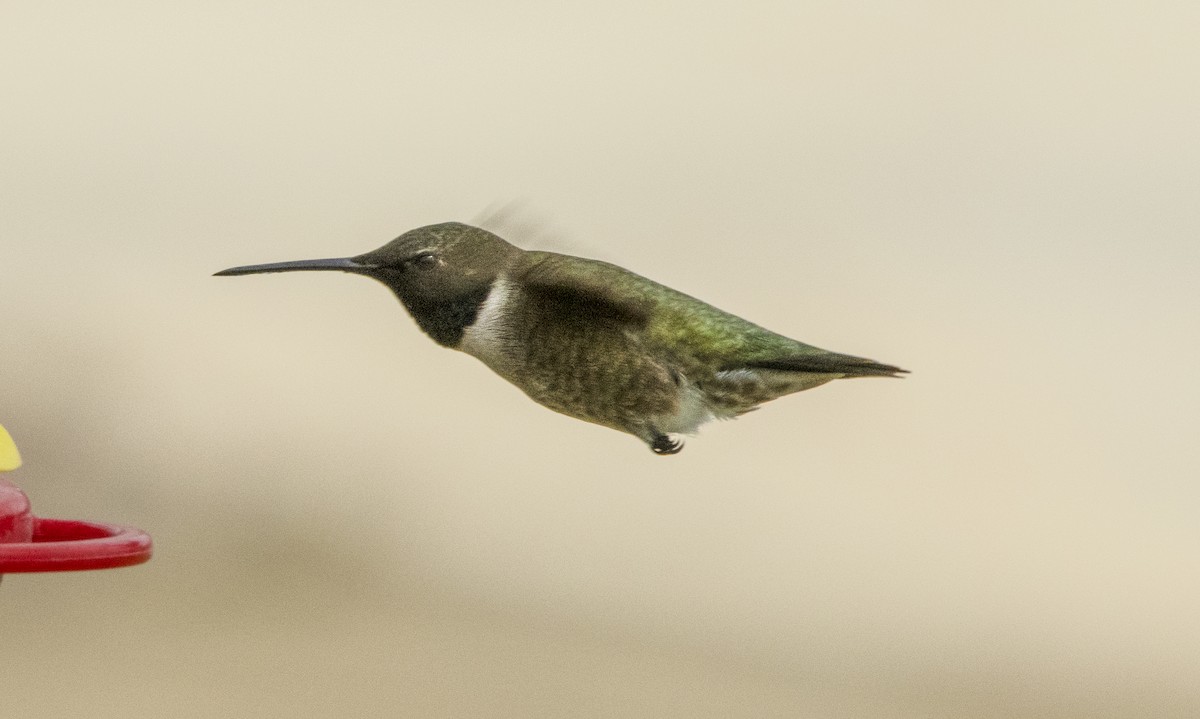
(663, 444)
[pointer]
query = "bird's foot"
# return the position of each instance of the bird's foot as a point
(665, 444)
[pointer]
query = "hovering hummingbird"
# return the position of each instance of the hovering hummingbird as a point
(587, 338)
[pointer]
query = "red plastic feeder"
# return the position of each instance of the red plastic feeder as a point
(36, 544)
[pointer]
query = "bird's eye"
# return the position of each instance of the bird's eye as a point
(424, 261)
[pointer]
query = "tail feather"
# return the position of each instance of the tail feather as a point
(829, 363)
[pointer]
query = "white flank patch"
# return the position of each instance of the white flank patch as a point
(739, 375)
(693, 412)
(780, 382)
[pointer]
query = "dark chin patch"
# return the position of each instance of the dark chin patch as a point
(445, 321)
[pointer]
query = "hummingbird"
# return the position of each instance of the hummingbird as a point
(587, 338)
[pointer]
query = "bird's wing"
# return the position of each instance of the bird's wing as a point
(691, 331)
(663, 317)
(587, 289)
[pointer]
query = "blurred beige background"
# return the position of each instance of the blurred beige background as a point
(351, 521)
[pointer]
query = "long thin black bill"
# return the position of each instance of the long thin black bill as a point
(340, 264)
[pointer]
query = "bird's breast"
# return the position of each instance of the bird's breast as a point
(489, 337)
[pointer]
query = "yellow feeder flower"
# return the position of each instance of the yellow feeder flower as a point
(10, 458)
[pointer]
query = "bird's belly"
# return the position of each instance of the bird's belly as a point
(595, 377)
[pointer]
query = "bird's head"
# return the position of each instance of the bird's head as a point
(438, 271)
